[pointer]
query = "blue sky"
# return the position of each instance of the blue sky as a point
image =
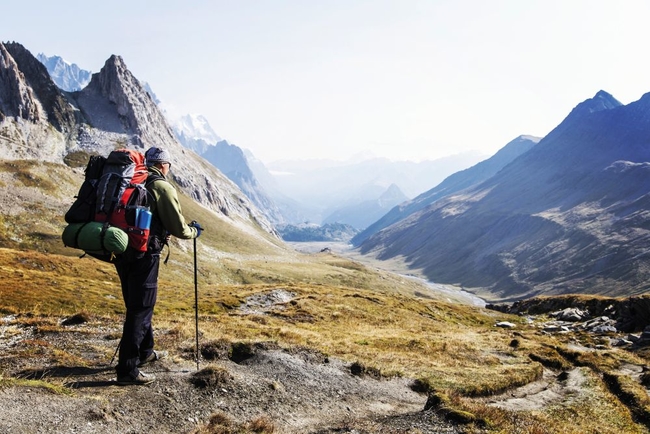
(332, 79)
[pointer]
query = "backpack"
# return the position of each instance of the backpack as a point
(111, 200)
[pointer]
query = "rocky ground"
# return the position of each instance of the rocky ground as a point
(295, 391)
(259, 388)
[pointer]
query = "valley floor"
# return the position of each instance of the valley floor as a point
(453, 293)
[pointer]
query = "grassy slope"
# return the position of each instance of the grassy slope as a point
(341, 308)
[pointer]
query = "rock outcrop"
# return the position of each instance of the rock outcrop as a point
(56, 106)
(34, 121)
(17, 98)
(630, 314)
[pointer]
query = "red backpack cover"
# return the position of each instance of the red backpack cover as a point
(121, 195)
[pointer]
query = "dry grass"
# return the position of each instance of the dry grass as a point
(22, 172)
(597, 410)
(451, 349)
(56, 388)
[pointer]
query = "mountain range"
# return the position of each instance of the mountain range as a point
(358, 194)
(361, 214)
(453, 183)
(323, 187)
(41, 122)
(570, 215)
(562, 214)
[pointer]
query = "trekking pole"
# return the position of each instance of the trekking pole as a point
(115, 353)
(196, 307)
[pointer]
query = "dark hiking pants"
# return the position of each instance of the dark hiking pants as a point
(139, 281)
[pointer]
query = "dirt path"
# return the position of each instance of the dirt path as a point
(552, 388)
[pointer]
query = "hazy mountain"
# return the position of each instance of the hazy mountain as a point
(153, 96)
(452, 184)
(39, 121)
(307, 232)
(322, 186)
(67, 76)
(361, 214)
(569, 215)
(232, 162)
(194, 132)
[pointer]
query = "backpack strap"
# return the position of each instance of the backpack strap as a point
(153, 177)
(102, 236)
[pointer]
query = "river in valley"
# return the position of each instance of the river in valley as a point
(347, 250)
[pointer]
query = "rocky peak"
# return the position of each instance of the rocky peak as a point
(136, 111)
(35, 75)
(17, 98)
(600, 102)
(35, 120)
(228, 158)
(116, 101)
(196, 131)
(604, 101)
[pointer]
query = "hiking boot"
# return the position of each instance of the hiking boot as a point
(153, 357)
(141, 379)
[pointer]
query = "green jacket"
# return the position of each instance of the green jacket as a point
(167, 208)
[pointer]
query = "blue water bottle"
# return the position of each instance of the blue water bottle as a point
(143, 218)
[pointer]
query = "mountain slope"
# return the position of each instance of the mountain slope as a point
(452, 184)
(570, 215)
(193, 131)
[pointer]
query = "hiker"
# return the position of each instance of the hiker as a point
(139, 277)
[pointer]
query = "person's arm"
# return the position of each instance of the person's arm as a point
(169, 211)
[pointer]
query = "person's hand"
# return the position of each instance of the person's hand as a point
(198, 227)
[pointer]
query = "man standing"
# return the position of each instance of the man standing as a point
(139, 277)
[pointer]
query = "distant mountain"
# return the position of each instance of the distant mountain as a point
(313, 232)
(194, 132)
(361, 214)
(39, 121)
(323, 186)
(452, 184)
(67, 76)
(568, 216)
